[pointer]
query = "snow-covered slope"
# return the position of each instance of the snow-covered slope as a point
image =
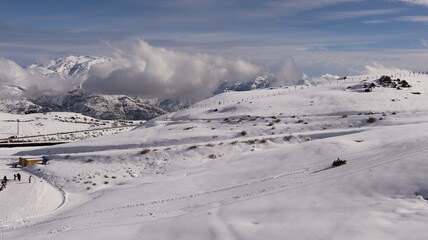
(57, 126)
(248, 165)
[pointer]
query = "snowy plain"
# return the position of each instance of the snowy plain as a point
(240, 165)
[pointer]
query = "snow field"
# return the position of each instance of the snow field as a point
(54, 126)
(272, 182)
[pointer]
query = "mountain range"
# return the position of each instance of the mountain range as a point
(73, 71)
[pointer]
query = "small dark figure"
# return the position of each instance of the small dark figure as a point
(30, 178)
(338, 162)
(45, 160)
(3, 183)
(18, 175)
(14, 177)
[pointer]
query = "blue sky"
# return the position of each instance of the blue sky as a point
(335, 36)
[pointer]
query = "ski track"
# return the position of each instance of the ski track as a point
(174, 207)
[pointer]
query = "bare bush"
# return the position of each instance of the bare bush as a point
(371, 120)
(288, 138)
(145, 151)
(193, 147)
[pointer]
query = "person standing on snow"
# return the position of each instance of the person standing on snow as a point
(29, 179)
(3, 184)
(14, 177)
(18, 176)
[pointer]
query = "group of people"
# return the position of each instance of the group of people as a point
(15, 177)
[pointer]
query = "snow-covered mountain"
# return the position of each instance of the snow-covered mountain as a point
(264, 80)
(102, 106)
(74, 70)
(13, 101)
(67, 67)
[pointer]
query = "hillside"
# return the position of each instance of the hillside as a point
(244, 165)
(57, 127)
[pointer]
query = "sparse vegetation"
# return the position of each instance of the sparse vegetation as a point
(212, 156)
(193, 147)
(371, 120)
(243, 133)
(145, 151)
(288, 138)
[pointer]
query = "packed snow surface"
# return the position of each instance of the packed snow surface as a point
(240, 165)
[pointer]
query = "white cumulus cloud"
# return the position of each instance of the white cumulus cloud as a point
(377, 68)
(141, 69)
(34, 84)
(13, 74)
(288, 73)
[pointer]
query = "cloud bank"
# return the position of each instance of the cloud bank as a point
(377, 68)
(11, 73)
(33, 84)
(141, 69)
(288, 73)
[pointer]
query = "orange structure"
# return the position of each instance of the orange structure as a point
(24, 162)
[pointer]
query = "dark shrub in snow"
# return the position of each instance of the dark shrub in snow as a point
(371, 120)
(145, 151)
(385, 81)
(193, 147)
(405, 84)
